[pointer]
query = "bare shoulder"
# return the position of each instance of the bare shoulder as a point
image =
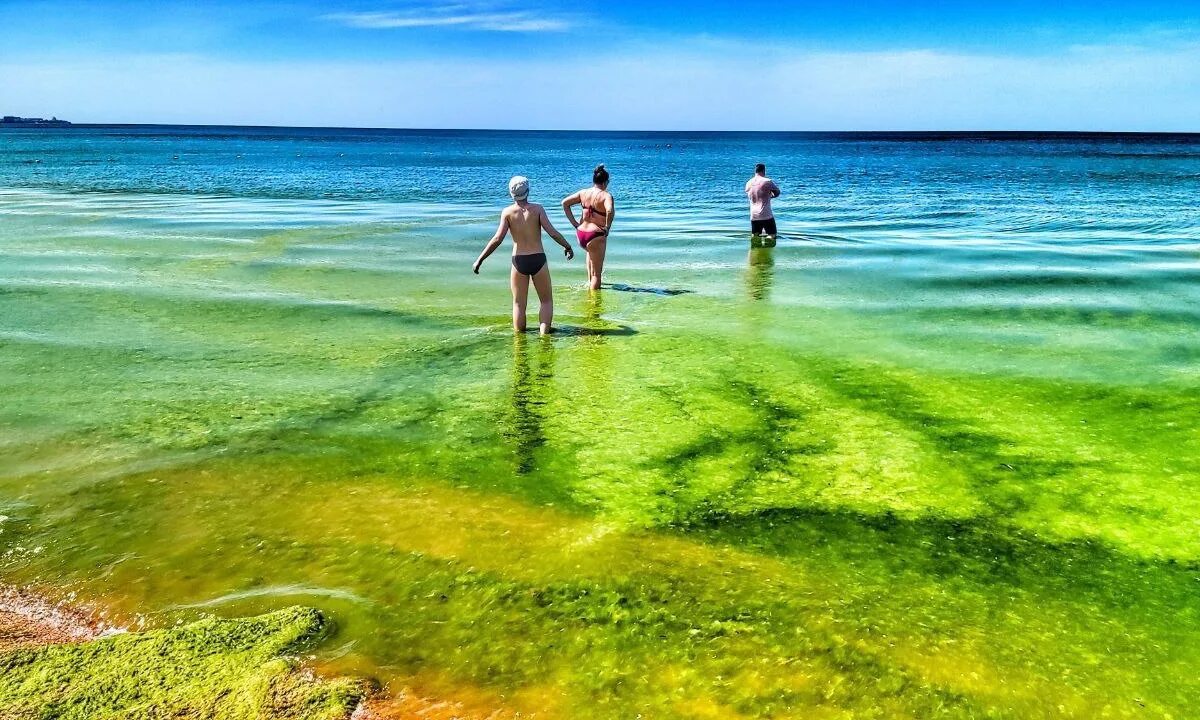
(537, 208)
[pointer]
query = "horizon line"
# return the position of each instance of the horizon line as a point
(624, 130)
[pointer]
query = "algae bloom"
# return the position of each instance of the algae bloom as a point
(229, 669)
(931, 456)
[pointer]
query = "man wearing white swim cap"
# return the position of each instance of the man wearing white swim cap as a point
(526, 220)
(518, 187)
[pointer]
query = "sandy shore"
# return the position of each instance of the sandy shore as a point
(29, 620)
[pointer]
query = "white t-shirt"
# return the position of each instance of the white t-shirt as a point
(760, 190)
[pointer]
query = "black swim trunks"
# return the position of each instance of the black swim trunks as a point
(529, 264)
(763, 227)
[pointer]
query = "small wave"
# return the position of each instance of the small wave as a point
(1002, 280)
(202, 209)
(276, 591)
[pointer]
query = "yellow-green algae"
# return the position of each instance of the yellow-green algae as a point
(749, 501)
(227, 669)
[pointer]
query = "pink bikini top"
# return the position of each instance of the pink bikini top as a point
(589, 211)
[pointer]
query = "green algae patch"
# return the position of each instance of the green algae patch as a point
(214, 668)
(839, 479)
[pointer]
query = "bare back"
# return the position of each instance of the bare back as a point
(525, 224)
(596, 205)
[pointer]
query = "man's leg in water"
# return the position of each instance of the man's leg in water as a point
(545, 293)
(595, 254)
(520, 293)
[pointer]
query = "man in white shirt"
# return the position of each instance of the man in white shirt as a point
(761, 190)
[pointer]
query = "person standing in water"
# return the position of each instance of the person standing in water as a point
(594, 225)
(761, 190)
(526, 220)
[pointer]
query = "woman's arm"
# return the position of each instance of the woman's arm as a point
(610, 211)
(567, 203)
(554, 233)
(493, 243)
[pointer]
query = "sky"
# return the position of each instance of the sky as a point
(620, 65)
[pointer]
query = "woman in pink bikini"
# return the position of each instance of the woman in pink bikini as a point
(592, 228)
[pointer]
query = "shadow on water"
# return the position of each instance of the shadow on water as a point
(667, 292)
(595, 325)
(760, 272)
(577, 331)
(528, 397)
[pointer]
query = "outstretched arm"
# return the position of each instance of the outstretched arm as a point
(567, 203)
(554, 233)
(493, 243)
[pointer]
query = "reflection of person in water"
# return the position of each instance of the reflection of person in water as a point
(593, 308)
(760, 272)
(529, 395)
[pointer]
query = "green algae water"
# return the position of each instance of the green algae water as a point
(933, 455)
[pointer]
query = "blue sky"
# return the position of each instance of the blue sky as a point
(1019, 64)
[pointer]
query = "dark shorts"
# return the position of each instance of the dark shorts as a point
(763, 227)
(529, 264)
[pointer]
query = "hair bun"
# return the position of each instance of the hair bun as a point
(600, 175)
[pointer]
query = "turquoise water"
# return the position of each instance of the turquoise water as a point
(931, 455)
(934, 229)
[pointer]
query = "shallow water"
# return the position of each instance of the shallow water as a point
(932, 455)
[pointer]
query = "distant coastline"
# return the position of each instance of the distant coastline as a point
(903, 135)
(1134, 136)
(12, 121)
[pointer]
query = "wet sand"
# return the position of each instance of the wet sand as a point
(27, 620)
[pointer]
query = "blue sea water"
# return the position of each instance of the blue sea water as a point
(1061, 188)
(900, 225)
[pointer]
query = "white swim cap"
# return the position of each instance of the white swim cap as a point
(518, 187)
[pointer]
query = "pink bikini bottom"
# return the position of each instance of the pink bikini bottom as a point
(586, 236)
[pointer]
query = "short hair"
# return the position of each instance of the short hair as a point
(600, 175)
(760, 169)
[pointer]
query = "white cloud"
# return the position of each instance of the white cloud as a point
(474, 17)
(695, 85)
